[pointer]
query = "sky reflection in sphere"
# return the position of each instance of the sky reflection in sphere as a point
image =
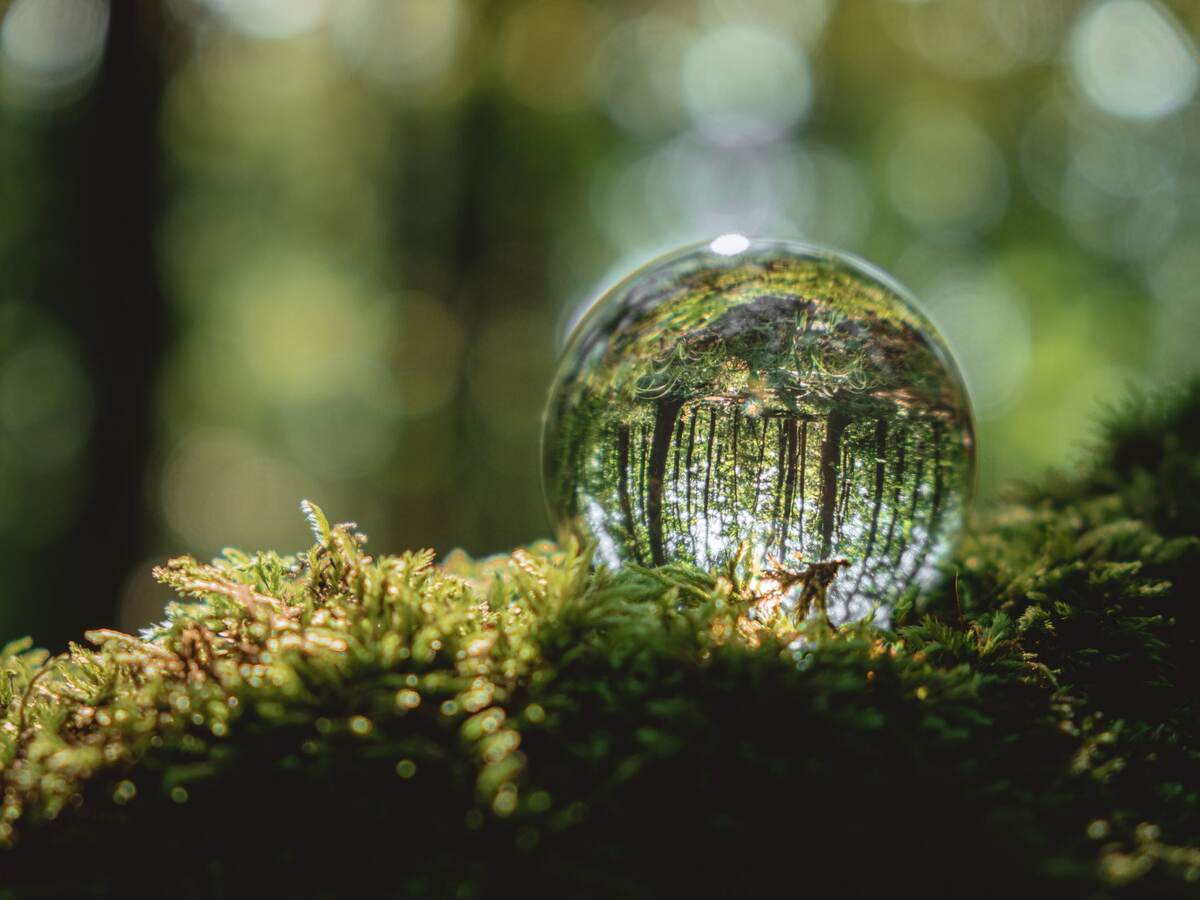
(770, 394)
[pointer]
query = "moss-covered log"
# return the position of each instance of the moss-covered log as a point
(336, 722)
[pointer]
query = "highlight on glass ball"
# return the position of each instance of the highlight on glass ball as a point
(766, 394)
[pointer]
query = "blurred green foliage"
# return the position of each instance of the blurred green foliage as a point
(370, 223)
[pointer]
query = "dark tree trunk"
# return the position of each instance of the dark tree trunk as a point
(789, 488)
(737, 418)
(848, 463)
(935, 505)
(762, 452)
(660, 447)
(803, 468)
(712, 427)
(98, 272)
(780, 478)
(675, 464)
(935, 513)
(642, 479)
(831, 450)
(881, 430)
(901, 446)
(720, 506)
(623, 489)
(691, 530)
(918, 482)
(574, 474)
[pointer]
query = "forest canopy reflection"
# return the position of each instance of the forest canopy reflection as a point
(781, 396)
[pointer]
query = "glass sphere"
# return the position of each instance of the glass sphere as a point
(768, 395)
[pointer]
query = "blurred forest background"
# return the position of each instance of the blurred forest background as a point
(260, 250)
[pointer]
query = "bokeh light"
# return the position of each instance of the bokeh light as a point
(743, 83)
(945, 173)
(544, 48)
(271, 18)
(636, 74)
(1130, 59)
(409, 48)
(1173, 278)
(982, 39)
(219, 489)
(1117, 184)
(980, 312)
(50, 48)
(44, 404)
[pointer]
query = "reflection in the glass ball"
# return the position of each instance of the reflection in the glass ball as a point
(769, 395)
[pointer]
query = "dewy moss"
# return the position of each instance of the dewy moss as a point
(338, 722)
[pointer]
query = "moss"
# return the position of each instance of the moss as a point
(337, 722)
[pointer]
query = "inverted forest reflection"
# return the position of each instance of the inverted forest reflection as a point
(780, 398)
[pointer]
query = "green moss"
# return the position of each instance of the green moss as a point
(337, 722)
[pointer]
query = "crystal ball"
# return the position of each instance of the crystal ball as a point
(772, 400)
